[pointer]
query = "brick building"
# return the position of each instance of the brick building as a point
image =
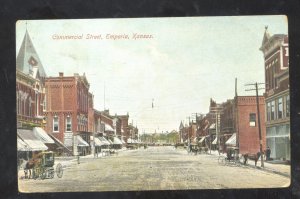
(124, 126)
(275, 50)
(66, 110)
(237, 126)
(246, 123)
(30, 76)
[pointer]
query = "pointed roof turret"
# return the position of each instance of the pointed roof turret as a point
(181, 125)
(267, 36)
(28, 60)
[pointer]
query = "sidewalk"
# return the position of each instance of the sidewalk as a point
(281, 169)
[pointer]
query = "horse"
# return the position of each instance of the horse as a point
(29, 165)
(254, 157)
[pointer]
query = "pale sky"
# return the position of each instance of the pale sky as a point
(188, 61)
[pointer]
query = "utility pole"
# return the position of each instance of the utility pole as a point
(258, 118)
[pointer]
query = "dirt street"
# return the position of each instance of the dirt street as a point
(154, 168)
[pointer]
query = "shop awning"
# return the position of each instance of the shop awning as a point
(104, 141)
(81, 142)
(44, 137)
(33, 142)
(117, 141)
(215, 141)
(22, 146)
(110, 142)
(212, 126)
(202, 139)
(98, 142)
(232, 140)
(108, 128)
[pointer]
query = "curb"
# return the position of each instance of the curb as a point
(263, 169)
(269, 170)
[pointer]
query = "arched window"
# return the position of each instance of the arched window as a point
(29, 107)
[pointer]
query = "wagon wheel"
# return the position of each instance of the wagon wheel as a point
(43, 174)
(35, 173)
(51, 173)
(59, 170)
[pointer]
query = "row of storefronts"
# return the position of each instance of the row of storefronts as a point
(57, 113)
(234, 123)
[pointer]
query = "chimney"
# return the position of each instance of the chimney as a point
(61, 74)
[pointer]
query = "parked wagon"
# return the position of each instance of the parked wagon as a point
(232, 157)
(42, 166)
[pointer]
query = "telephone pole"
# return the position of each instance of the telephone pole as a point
(258, 118)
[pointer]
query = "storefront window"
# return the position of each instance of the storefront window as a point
(55, 124)
(271, 131)
(280, 108)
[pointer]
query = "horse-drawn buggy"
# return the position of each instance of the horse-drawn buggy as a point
(232, 157)
(42, 166)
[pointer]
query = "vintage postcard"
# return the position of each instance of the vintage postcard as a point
(135, 104)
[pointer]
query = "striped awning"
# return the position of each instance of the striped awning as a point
(22, 146)
(117, 141)
(108, 128)
(202, 139)
(215, 141)
(81, 142)
(98, 142)
(33, 142)
(232, 140)
(44, 137)
(104, 141)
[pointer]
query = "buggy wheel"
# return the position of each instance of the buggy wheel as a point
(59, 170)
(51, 173)
(43, 174)
(35, 174)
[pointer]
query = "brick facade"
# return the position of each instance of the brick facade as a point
(275, 51)
(67, 97)
(248, 136)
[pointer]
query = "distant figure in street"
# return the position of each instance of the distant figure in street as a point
(268, 153)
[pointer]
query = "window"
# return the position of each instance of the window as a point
(252, 119)
(280, 108)
(55, 124)
(268, 111)
(68, 123)
(272, 110)
(288, 105)
(29, 107)
(18, 102)
(44, 104)
(37, 103)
